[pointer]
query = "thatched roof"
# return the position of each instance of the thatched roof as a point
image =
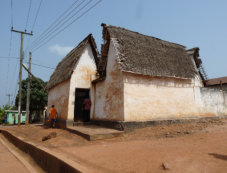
(65, 68)
(194, 54)
(146, 55)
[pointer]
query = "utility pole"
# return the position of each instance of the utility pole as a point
(9, 97)
(28, 90)
(44, 88)
(20, 72)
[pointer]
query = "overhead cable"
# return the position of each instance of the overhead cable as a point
(11, 13)
(28, 15)
(42, 66)
(69, 24)
(54, 23)
(37, 13)
(8, 57)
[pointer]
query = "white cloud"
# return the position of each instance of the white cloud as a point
(60, 50)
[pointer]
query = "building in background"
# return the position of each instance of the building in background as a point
(12, 117)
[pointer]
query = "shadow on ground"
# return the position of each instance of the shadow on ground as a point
(219, 156)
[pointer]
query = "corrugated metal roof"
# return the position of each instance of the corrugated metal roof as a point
(216, 81)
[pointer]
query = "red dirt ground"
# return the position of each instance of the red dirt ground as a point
(184, 148)
(9, 163)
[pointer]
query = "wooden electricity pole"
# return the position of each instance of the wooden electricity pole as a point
(28, 90)
(9, 95)
(20, 72)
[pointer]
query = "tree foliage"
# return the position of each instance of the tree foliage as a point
(38, 97)
(3, 112)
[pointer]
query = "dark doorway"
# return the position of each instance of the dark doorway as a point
(80, 95)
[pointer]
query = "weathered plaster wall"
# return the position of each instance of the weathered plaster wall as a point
(108, 94)
(224, 86)
(59, 96)
(149, 98)
(213, 101)
(81, 77)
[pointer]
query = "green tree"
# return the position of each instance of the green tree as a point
(38, 97)
(3, 112)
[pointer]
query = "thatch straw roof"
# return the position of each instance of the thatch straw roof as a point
(65, 68)
(146, 55)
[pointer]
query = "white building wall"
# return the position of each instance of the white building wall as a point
(81, 77)
(108, 94)
(213, 101)
(149, 98)
(59, 96)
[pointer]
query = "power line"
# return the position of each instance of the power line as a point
(17, 80)
(8, 62)
(9, 95)
(52, 26)
(37, 13)
(11, 13)
(15, 71)
(8, 57)
(10, 43)
(60, 23)
(27, 62)
(14, 95)
(42, 66)
(69, 24)
(28, 14)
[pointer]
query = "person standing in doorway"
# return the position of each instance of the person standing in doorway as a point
(53, 116)
(86, 108)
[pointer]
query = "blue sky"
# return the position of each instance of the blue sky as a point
(200, 23)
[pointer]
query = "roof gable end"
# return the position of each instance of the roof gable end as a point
(66, 66)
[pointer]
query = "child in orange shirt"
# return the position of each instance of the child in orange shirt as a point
(53, 115)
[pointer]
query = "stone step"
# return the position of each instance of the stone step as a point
(94, 132)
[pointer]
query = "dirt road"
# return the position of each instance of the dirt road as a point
(178, 148)
(9, 163)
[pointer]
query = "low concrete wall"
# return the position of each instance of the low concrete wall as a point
(45, 160)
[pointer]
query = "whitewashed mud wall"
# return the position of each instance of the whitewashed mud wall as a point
(213, 101)
(81, 77)
(107, 95)
(59, 96)
(149, 98)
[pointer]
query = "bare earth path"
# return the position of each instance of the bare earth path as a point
(184, 148)
(9, 163)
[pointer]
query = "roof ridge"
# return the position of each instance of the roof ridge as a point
(111, 26)
(147, 55)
